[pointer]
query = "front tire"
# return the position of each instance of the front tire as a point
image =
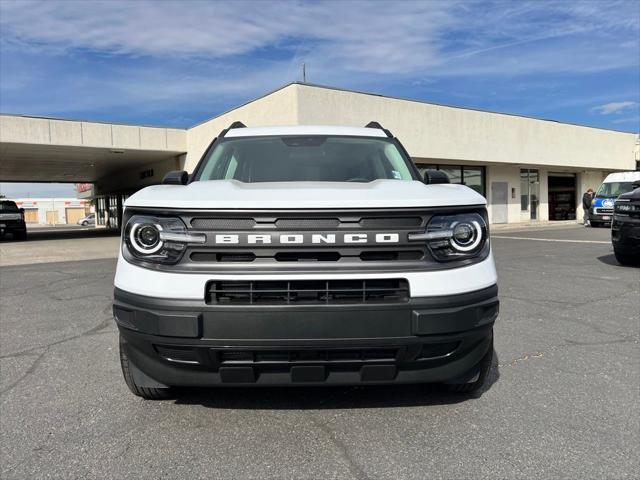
(148, 393)
(626, 259)
(595, 224)
(21, 236)
(85, 223)
(485, 368)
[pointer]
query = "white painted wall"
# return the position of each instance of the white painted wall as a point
(511, 175)
(129, 179)
(435, 131)
(586, 180)
(278, 108)
(38, 130)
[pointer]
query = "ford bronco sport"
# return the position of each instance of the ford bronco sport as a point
(305, 255)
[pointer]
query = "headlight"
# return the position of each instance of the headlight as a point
(157, 239)
(454, 237)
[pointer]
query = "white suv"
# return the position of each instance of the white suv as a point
(305, 255)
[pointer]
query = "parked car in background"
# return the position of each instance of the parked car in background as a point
(625, 228)
(12, 220)
(601, 211)
(88, 220)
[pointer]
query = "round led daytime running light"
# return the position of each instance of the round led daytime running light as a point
(477, 230)
(135, 243)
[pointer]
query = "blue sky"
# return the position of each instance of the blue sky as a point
(178, 63)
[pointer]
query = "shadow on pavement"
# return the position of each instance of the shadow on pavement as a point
(611, 260)
(327, 398)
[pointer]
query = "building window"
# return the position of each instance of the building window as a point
(472, 177)
(453, 172)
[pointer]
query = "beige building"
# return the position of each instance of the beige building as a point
(53, 211)
(529, 169)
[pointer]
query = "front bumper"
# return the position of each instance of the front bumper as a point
(625, 234)
(11, 226)
(191, 343)
(600, 217)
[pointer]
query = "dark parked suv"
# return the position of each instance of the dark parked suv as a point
(625, 228)
(12, 220)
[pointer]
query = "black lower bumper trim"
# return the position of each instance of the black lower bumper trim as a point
(190, 343)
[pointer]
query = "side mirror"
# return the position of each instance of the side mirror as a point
(432, 177)
(176, 177)
(22, 211)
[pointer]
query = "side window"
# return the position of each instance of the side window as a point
(232, 166)
(400, 170)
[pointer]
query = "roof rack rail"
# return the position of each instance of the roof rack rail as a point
(233, 125)
(377, 125)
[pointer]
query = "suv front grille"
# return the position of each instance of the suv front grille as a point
(228, 356)
(223, 223)
(307, 292)
(315, 240)
(604, 211)
(313, 256)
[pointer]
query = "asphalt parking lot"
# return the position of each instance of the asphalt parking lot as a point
(563, 400)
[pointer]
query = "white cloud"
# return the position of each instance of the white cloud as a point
(439, 38)
(358, 34)
(635, 120)
(68, 57)
(614, 107)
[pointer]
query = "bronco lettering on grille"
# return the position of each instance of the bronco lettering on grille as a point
(305, 238)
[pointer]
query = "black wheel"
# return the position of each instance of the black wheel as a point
(595, 224)
(485, 367)
(20, 236)
(626, 259)
(85, 223)
(148, 393)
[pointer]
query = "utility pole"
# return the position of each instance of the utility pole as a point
(304, 72)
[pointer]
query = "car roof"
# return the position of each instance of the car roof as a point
(305, 130)
(622, 177)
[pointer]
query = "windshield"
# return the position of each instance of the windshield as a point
(8, 207)
(305, 159)
(614, 189)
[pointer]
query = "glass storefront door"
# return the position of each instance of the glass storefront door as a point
(529, 193)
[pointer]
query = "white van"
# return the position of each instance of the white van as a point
(614, 185)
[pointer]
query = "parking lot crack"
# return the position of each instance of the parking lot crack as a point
(26, 374)
(569, 343)
(354, 469)
(525, 357)
(45, 349)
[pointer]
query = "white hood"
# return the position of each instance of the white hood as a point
(231, 194)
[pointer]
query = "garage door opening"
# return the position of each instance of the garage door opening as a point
(74, 214)
(562, 196)
(31, 215)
